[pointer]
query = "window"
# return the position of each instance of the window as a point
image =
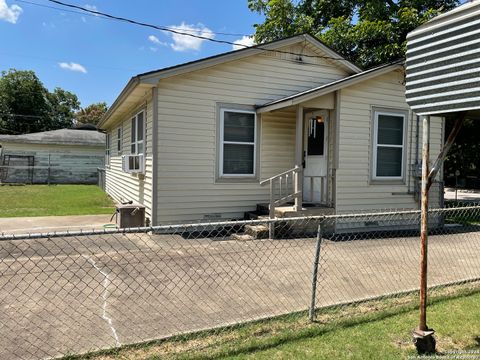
(237, 143)
(119, 140)
(137, 144)
(137, 135)
(389, 145)
(107, 148)
(316, 136)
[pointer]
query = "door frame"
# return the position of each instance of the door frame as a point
(308, 115)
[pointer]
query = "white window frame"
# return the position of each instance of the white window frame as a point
(108, 145)
(223, 143)
(119, 140)
(136, 142)
(376, 145)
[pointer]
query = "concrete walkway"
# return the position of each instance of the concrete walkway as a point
(48, 224)
(462, 194)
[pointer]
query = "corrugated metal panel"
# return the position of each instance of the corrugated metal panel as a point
(443, 63)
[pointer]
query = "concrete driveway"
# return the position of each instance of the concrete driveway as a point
(75, 294)
(44, 224)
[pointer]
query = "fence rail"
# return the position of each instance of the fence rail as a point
(74, 292)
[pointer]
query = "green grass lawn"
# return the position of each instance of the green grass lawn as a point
(45, 200)
(374, 330)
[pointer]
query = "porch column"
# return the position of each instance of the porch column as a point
(299, 158)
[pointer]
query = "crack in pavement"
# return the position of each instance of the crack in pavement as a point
(106, 283)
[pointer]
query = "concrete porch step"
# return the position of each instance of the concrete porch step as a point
(259, 231)
(242, 237)
(254, 215)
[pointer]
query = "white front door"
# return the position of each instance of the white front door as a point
(315, 156)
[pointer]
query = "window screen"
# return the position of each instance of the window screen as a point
(238, 147)
(389, 147)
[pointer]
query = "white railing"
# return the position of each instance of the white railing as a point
(286, 185)
(317, 189)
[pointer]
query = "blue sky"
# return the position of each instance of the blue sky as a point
(94, 57)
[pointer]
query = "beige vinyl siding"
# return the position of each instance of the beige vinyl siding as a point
(355, 189)
(69, 163)
(124, 186)
(187, 187)
(278, 142)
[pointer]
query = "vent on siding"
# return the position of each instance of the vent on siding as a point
(443, 63)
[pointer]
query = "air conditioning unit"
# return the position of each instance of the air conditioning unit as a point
(130, 215)
(133, 163)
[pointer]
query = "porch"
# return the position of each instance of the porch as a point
(307, 189)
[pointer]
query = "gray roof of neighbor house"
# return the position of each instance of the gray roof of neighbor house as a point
(59, 137)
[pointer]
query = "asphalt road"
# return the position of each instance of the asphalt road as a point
(75, 294)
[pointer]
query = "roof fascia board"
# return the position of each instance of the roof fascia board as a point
(50, 142)
(127, 90)
(328, 89)
(215, 60)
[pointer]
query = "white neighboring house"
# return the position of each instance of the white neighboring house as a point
(195, 141)
(65, 156)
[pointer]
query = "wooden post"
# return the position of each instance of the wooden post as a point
(424, 224)
(423, 336)
(48, 172)
(299, 158)
(271, 225)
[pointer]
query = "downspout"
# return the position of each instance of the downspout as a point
(336, 149)
(416, 184)
(410, 155)
(154, 156)
(417, 139)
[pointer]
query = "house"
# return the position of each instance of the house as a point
(289, 123)
(65, 156)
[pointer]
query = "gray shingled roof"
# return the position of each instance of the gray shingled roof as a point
(59, 137)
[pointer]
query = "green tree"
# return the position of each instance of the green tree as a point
(368, 32)
(24, 102)
(63, 105)
(464, 155)
(92, 114)
(26, 106)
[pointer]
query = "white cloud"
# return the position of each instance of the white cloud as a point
(9, 13)
(245, 41)
(91, 7)
(156, 40)
(73, 67)
(185, 42)
(153, 48)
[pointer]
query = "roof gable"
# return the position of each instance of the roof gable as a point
(140, 83)
(324, 52)
(328, 88)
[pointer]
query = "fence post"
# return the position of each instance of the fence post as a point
(311, 313)
(271, 225)
(48, 172)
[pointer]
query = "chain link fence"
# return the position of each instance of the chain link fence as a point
(72, 293)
